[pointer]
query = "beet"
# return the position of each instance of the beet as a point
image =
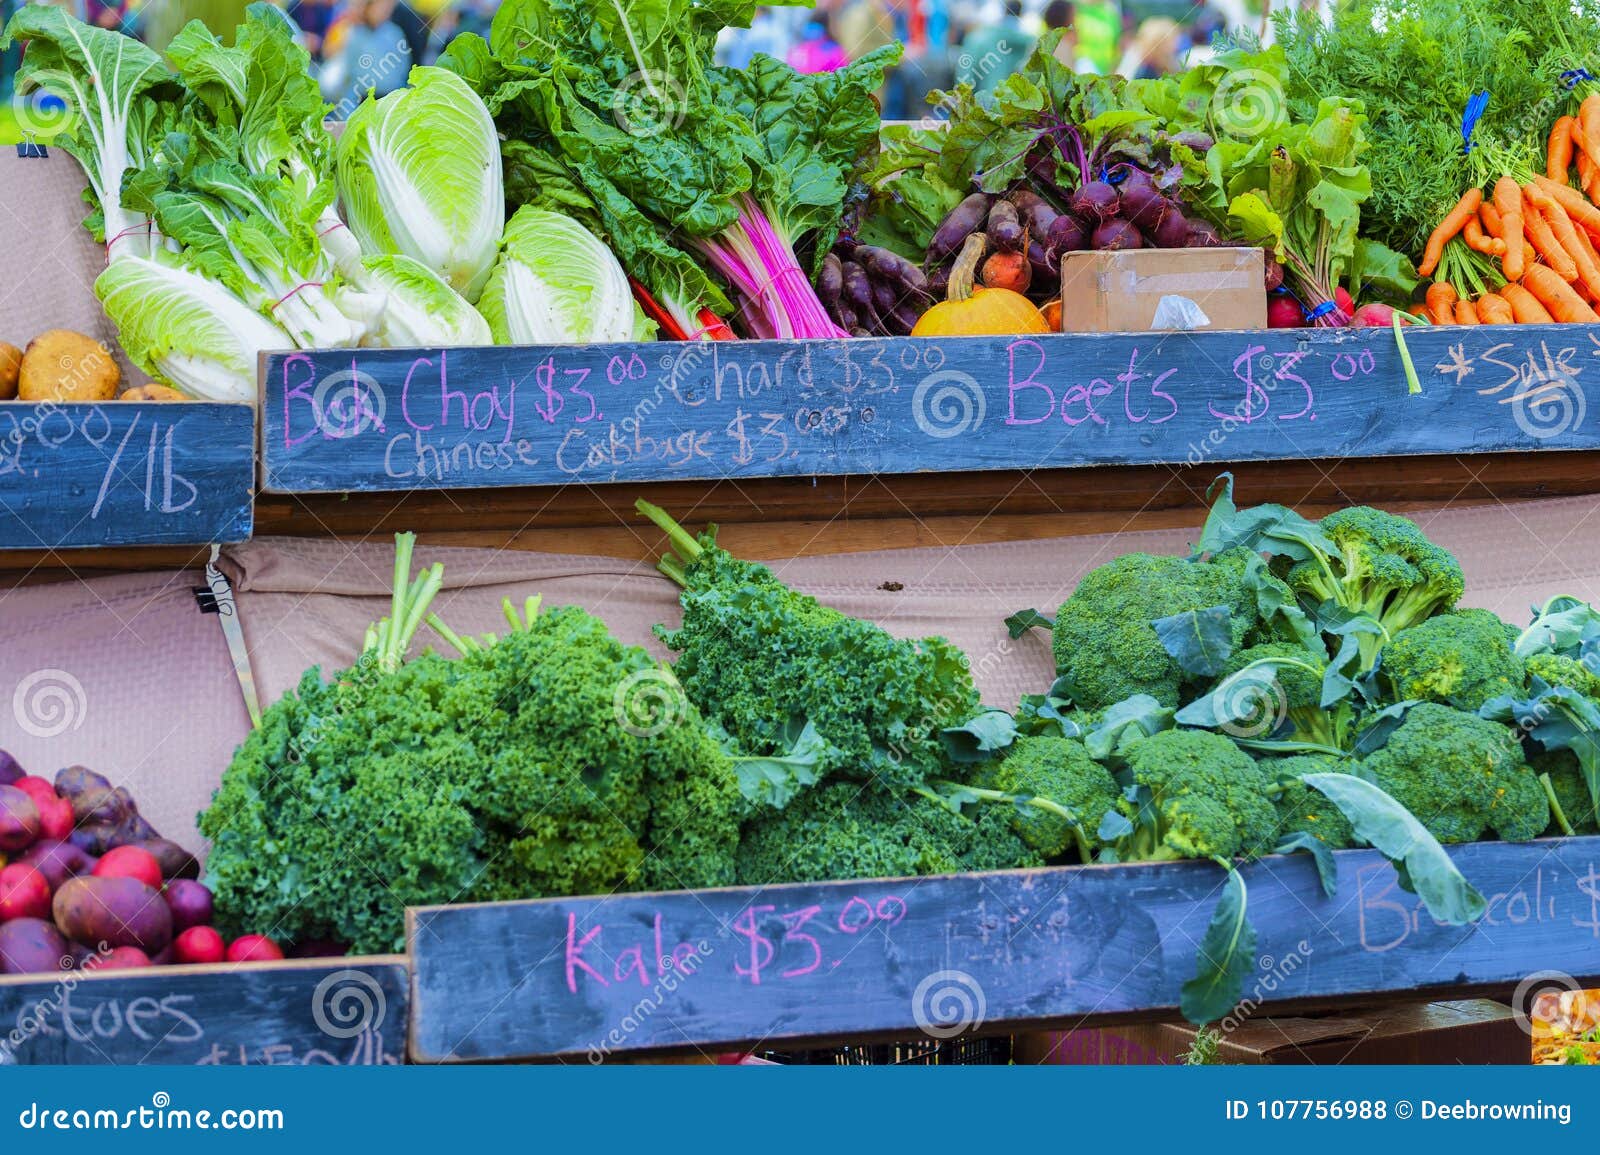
(1198, 141)
(1037, 213)
(1007, 271)
(1202, 236)
(1274, 275)
(1005, 227)
(966, 218)
(1172, 232)
(1046, 264)
(1152, 213)
(1116, 234)
(1067, 235)
(1095, 201)
(1283, 312)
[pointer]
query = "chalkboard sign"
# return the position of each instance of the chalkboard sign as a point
(335, 1012)
(125, 473)
(717, 969)
(547, 415)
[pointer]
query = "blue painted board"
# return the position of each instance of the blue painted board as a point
(460, 418)
(125, 473)
(309, 1012)
(720, 969)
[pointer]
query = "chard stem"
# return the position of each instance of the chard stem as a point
(682, 540)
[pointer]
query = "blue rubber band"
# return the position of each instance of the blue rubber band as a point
(1322, 310)
(1470, 117)
(1573, 77)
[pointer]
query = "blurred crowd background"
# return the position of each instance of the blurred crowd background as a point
(362, 45)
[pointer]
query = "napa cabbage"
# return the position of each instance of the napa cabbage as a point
(419, 174)
(421, 309)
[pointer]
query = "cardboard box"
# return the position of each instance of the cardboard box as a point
(1473, 1031)
(1137, 290)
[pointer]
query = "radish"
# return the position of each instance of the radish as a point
(1283, 312)
(1376, 316)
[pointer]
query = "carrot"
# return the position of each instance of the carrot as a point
(1465, 313)
(1494, 310)
(1508, 203)
(1490, 216)
(1525, 307)
(1589, 251)
(1588, 135)
(1558, 155)
(1566, 234)
(1479, 241)
(1581, 211)
(1454, 221)
(1441, 303)
(1544, 240)
(1557, 296)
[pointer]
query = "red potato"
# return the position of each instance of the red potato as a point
(129, 862)
(190, 902)
(55, 817)
(198, 944)
(19, 820)
(57, 861)
(39, 789)
(122, 958)
(115, 911)
(32, 946)
(24, 893)
(253, 948)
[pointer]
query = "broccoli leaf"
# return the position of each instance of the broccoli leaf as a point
(1022, 621)
(776, 778)
(1240, 699)
(1558, 718)
(980, 737)
(1563, 625)
(1200, 641)
(1124, 724)
(1306, 842)
(1226, 958)
(1114, 825)
(1271, 529)
(1378, 726)
(1042, 713)
(1423, 866)
(1275, 601)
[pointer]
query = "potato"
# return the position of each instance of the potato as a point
(31, 946)
(175, 861)
(19, 820)
(114, 911)
(57, 861)
(10, 367)
(190, 903)
(152, 393)
(60, 365)
(10, 769)
(72, 781)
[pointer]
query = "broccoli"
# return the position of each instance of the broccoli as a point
(1460, 659)
(1570, 799)
(1301, 808)
(1206, 799)
(761, 661)
(506, 773)
(1104, 642)
(1384, 568)
(842, 829)
(1058, 771)
(1460, 775)
(1560, 670)
(1292, 676)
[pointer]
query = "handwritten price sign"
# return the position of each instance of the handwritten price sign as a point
(375, 420)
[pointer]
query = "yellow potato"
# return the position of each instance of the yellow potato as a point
(152, 393)
(61, 365)
(10, 366)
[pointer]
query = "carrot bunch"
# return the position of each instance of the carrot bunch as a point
(1541, 230)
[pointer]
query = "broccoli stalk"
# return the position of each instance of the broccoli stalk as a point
(1557, 815)
(1082, 840)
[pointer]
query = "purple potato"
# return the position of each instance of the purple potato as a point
(115, 911)
(1005, 227)
(31, 946)
(74, 780)
(10, 769)
(190, 902)
(57, 861)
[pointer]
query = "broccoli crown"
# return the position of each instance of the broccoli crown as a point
(1385, 567)
(1060, 770)
(1560, 670)
(1296, 670)
(842, 829)
(1570, 790)
(1302, 809)
(757, 658)
(1460, 775)
(1460, 659)
(1209, 798)
(509, 773)
(1104, 642)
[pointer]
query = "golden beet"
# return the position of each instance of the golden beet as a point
(10, 366)
(61, 365)
(153, 393)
